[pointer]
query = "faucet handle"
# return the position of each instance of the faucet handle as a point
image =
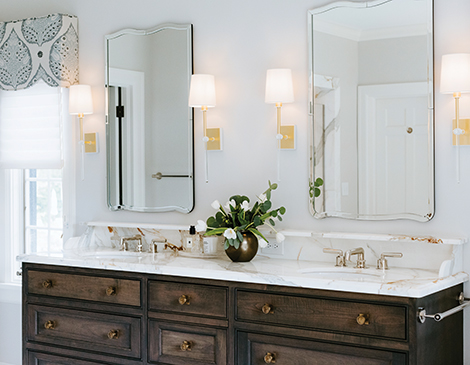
(154, 244)
(382, 263)
(139, 246)
(339, 255)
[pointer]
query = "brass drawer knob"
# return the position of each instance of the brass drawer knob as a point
(267, 309)
(362, 319)
(49, 325)
(270, 358)
(186, 346)
(47, 284)
(113, 334)
(184, 299)
(111, 291)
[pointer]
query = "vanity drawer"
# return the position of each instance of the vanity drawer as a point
(204, 300)
(100, 289)
(172, 343)
(324, 314)
(258, 349)
(111, 334)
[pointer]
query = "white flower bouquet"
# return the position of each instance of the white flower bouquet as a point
(236, 217)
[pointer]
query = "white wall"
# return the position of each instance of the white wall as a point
(237, 40)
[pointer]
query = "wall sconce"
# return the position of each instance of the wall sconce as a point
(80, 103)
(202, 95)
(279, 89)
(455, 79)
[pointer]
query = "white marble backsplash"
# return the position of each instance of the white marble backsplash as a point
(426, 253)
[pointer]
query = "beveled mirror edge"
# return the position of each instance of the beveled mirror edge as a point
(189, 31)
(431, 115)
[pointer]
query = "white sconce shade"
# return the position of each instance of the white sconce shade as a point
(202, 95)
(202, 91)
(455, 80)
(279, 86)
(455, 73)
(80, 100)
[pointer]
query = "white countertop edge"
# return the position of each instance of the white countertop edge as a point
(414, 288)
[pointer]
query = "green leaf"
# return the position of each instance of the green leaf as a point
(257, 233)
(226, 244)
(240, 236)
(318, 182)
(280, 218)
(216, 231)
(272, 222)
(268, 195)
(236, 244)
(212, 222)
(219, 217)
(274, 213)
(273, 186)
(267, 205)
(317, 192)
(282, 210)
(257, 221)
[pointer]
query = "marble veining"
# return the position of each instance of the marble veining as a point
(264, 270)
(429, 264)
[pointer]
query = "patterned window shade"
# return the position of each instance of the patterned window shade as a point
(34, 49)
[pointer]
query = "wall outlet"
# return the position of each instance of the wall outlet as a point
(273, 248)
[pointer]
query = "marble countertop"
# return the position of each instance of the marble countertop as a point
(415, 283)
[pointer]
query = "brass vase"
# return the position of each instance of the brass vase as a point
(247, 250)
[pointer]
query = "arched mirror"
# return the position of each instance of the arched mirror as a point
(149, 127)
(371, 110)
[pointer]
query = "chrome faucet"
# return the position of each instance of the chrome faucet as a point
(359, 251)
(125, 245)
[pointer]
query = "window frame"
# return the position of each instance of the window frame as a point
(12, 215)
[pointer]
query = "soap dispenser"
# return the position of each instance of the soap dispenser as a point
(191, 241)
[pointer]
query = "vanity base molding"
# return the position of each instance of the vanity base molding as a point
(83, 316)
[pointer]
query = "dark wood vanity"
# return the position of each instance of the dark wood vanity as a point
(84, 316)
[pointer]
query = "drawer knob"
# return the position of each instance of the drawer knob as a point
(267, 309)
(111, 291)
(186, 346)
(184, 299)
(270, 358)
(47, 284)
(362, 319)
(49, 325)
(113, 334)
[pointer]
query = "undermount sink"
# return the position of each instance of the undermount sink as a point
(345, 273)
(116, 255)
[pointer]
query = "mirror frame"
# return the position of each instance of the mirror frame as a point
(431, 116)
(142, 32)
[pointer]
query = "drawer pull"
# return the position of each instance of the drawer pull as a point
(184, 299)
(49, 325)
(111, 291)
(47, 284)
(113, 334)
(268, 309)
(362, 319)
(270, 358)
(186, 346)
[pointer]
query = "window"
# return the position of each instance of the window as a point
(43, 214)
(36, 201)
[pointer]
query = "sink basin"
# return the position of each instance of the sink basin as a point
(121, 255)
(344, 273)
